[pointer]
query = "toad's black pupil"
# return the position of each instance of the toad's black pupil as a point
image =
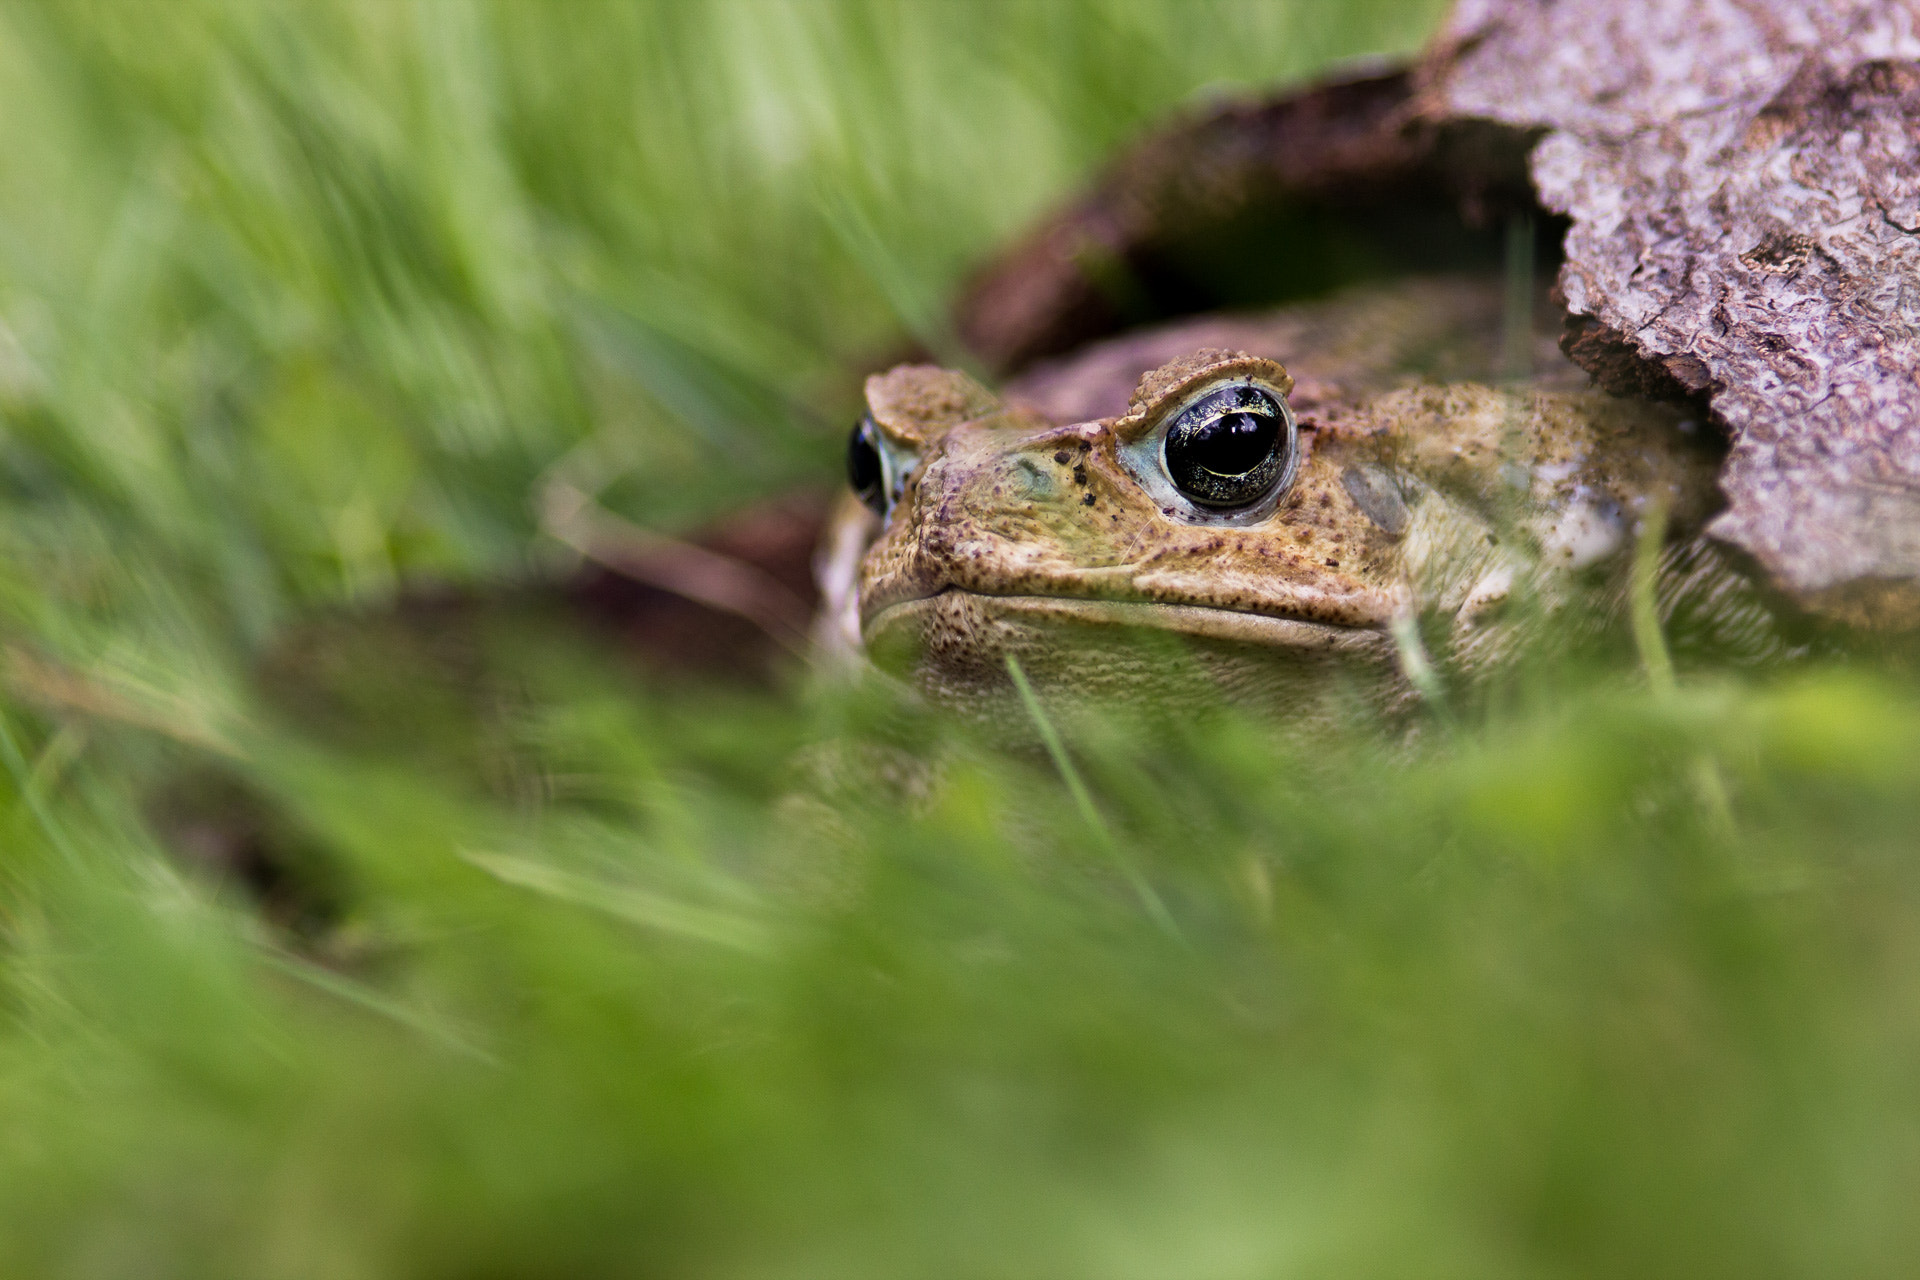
(864, 473)
(1228, 449)
(1233, 443)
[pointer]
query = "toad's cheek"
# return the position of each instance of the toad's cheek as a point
(954, 647)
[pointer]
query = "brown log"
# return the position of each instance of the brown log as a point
(1346, 150)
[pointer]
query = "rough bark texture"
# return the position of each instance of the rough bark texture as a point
(1743, 181)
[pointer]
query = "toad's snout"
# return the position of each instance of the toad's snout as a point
(1009, 510)
(983, 465)
(1019, 498)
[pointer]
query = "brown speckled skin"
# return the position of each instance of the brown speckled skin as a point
(1001, 507)
(1016, 535)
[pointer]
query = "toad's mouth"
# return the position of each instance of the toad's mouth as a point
(922, 615)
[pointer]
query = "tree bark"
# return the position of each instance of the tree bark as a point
(1743, 183)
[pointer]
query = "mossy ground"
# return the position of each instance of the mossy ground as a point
(463, 950)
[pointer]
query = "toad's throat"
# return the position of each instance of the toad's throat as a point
(1207, 622)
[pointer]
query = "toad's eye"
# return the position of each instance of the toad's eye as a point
(866, 474)
(1230, 447)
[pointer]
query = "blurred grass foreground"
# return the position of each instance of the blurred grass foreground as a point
(337, 941)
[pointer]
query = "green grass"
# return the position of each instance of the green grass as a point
(571, 974)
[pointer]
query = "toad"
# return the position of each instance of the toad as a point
(1348, 502)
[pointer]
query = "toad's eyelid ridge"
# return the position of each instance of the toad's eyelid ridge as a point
(1163, 393)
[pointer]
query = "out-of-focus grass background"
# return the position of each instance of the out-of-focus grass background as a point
(565, 972)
